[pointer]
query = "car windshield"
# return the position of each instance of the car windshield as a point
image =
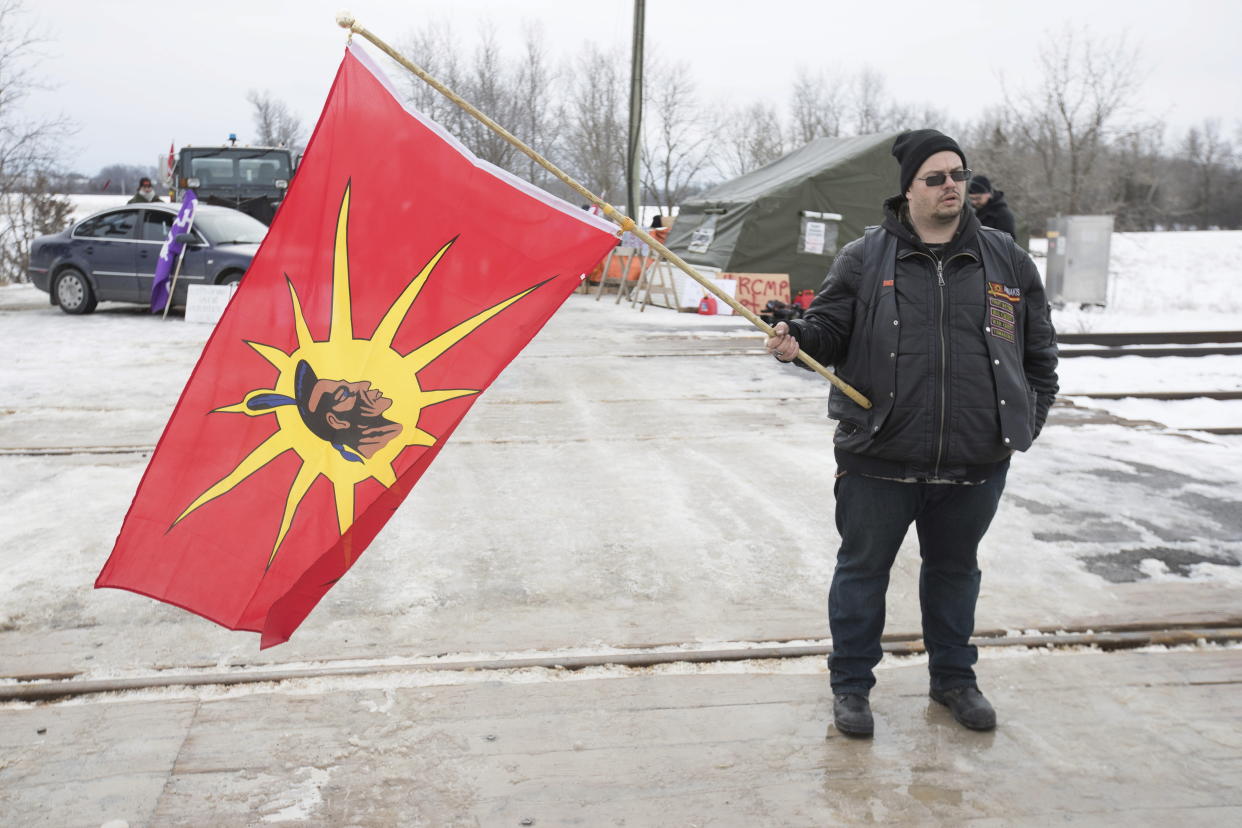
(230, 227)
(244, 168)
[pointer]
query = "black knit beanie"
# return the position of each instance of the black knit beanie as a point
(912, 148)
(980, 184)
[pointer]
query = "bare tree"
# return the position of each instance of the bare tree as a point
(902, 116)
(34, 209)
(995, 148)
(596, 136)
(1208, 154)
(1135, 165)
(122, 178)
(677, 135)
(520, 94)
(826, 106)
(749, 138)
(538, 110)
(436, 49)
(29, 148)
(818, 107)
(1068, 117)
(275, 124)
(488, 85)
(870, 104)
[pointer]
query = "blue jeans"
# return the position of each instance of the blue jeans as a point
(873, 516)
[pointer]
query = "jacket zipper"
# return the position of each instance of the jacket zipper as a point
(942, 432)
(942, 377)
(942, 371)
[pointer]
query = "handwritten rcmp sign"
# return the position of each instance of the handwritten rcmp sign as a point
(755, 290)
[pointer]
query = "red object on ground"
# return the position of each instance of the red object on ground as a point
(707, 305)
(399, 278)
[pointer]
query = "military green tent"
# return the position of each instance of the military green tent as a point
(793, 215)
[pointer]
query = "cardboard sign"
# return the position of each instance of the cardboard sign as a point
(206, 303)
(755, 290)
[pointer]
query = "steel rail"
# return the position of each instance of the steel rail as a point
(1188, 351)
(1123, 637)
(1155, 395)
(1150, 338)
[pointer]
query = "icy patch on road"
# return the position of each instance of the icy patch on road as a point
(304, 798)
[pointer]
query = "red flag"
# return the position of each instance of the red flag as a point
(399, 278)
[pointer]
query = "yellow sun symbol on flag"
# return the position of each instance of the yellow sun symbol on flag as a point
(352, 424)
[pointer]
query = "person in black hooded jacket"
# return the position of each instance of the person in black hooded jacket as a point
(944, 326)
(990, 206)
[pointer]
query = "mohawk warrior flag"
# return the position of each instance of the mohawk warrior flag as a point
(400, 276)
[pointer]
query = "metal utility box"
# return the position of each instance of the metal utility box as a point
(1078, 250)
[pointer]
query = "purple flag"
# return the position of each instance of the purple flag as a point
(170, 251)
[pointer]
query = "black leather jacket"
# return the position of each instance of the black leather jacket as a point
(954, 348)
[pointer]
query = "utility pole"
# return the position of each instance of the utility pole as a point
(633, 157)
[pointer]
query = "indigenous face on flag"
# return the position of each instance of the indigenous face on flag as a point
(350, 413)
(344, 414)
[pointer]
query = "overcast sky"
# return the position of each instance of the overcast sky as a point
(138, 74)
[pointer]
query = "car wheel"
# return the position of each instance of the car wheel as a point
(74, 293)
(232, 277)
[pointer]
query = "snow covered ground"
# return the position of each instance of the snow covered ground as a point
(85, 204)
(632, 479)
(1164, 281)
(1189, 281)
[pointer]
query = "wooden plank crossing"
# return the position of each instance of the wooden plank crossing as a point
(1084, 738)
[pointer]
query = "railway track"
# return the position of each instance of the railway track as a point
(54, 686)
(1151, 338)
(1176, 343)
(1109, 344)
(1153, 344)
(1161, 395)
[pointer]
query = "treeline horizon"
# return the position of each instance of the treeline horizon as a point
(1072, 142)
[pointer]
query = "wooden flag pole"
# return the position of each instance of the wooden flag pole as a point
(346, 21)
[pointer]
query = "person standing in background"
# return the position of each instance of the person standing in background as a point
(145, 194)
(990, 206)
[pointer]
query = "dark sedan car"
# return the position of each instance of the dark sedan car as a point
(111, 256)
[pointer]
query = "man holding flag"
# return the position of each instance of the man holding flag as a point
(947, 326)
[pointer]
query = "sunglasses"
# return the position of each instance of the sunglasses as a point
(936, 179)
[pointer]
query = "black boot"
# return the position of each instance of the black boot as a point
(968, 707)
(851, 713)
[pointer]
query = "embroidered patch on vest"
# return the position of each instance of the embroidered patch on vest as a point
(886, 283)
(1012, 294)
(1001, 318)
